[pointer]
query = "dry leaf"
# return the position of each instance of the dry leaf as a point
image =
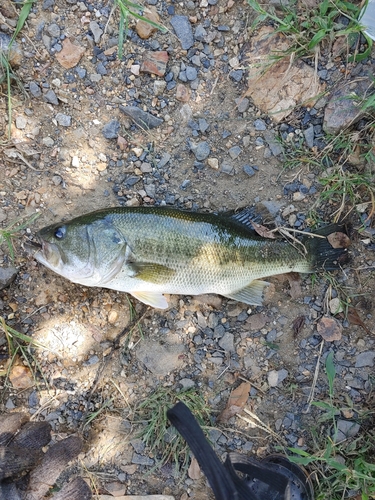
(194, 470)
(338, 240)
(70, 54)
(21, 377)
(236, 402)
(330, 329)
(354, 319)
(263, 231)
(297, 325)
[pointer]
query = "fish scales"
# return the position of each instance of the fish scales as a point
(149, 251)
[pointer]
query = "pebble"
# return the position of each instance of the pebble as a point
(96, 31)
(21, 122)
(63, 120)
(234, 152)
(7, 276)
(249, 170)
(243, 104)
(228, 169)
(346, 429)
(201, 150)
(142, 118)
(111, 129)
(35, 90)
(213, 163)
(260, 124)
(54, 30)
(51, 97)
(273, 144)
(48, 141)
(309, 136)
(183, 30)
(142, 460)
(191, 73)
(275, 377)
(236, 75)
(227, 342)
(365, 358)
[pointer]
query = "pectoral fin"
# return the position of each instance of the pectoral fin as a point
(152, 273)
(151, 299)
(252, 294)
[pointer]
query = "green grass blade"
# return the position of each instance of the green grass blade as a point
(331, 372)
(23, 15)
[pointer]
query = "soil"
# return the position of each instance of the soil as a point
(72, 170)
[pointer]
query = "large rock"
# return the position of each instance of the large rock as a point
(277, 88)
(342, 109)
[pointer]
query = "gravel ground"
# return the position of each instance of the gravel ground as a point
(167, 125)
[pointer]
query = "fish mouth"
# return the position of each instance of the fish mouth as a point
(44, 252)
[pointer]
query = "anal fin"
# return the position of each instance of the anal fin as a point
(252, 294)
(153, 299)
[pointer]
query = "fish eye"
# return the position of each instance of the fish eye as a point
(60, 232)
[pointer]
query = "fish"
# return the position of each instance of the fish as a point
(151, 251)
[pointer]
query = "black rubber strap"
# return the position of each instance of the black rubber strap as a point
(225, 484)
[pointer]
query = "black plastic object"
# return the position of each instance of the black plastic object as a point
(274, 478)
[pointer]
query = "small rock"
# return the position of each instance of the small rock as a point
(191, 73)
(228, 169)
(236, 75)
(7, 276)
(164, 160)
(201, 150)
(63, 120)
(234, 152)
(275, 377)
(159, 87)
(329, 328)
(54, 30)
(112, 316)
(335, 306)
(298, 196)
(96, 31)
(365, 358)
(260, 124)
(144, 29)
(243, 104)
(346, 429)
(248, 170)
(203, 125)
(187, 383)
(70, 54)
(183, 30)
(154, 62)
(50, 97)
(48, 141)
(35, 90)
(56, 180)
(21, 377)
(309, 136)
(141, 460)
(21, 122)
(141, 118)
(227, 342)
(159, 358)
(213, 163)
(182, 93)
(272, 142)
(111, 129)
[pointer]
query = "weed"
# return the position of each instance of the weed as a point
(20, 344)
(310, 28)
(127, 9)
(15, 230)
(159, 435)
(342, 466)
(5, 66)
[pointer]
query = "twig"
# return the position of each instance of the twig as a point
(312, 390)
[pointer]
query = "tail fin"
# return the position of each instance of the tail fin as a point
(331, 252)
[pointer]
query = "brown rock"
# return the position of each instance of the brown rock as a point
(143, 28)
(277, 88)
(21, 377)
(70, 54)
(155, 62)
(329, 328)
(182, 93)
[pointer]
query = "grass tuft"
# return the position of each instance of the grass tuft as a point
(157, 433)
(15, 230)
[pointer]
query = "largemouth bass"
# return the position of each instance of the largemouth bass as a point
(149, 251)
